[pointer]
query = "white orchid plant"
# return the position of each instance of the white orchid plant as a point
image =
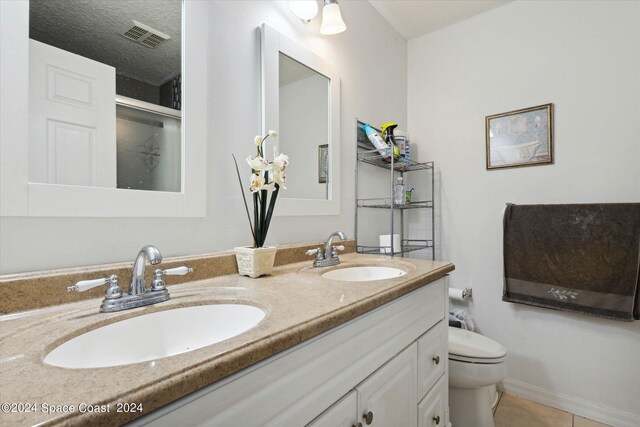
(266, 180)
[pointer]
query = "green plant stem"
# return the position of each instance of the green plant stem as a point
(263, 212)
(256, 220)
(272, 204)
(244, 199)
(264, 194)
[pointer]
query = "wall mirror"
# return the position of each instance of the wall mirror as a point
(304, 128)
(115, 108)
(301, 99)
(105, 93)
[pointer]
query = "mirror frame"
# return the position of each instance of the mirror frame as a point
(272, 44)
(19, 197)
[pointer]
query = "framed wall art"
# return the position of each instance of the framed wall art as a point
(520, 138)
(323, 163)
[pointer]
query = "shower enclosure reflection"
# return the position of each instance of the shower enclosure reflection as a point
(149, 152)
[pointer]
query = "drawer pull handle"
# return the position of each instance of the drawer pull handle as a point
(437, 360)
(436, 419)
(368, 417)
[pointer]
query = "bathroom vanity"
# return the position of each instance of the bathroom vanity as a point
(327, 353)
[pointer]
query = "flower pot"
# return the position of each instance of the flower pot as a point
(255, 262)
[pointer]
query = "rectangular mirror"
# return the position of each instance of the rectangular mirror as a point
(304, 128)
(301, 100)
(105, 93)
(109, 140)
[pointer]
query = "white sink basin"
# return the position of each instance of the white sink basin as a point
(155, 335)
(363, 274)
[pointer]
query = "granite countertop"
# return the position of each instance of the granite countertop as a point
(298, 302)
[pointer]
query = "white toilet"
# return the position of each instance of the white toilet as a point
(476, 364)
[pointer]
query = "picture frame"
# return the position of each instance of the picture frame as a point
(323, 163)
(520, 138)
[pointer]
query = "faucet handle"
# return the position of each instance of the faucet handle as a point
(178, 271)
(317, 252)
(158, 283)
(85, 285)
(113, 291)
(335, 249)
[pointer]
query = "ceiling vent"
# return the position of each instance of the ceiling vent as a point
(145, 35)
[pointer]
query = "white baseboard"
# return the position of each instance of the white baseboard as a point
(581, 407)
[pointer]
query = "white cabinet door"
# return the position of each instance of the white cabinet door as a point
(341, 414)
(431, 409)
(389, 396)
(432, 356)
(72, 118)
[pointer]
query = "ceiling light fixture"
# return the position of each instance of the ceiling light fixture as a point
(304, 9)
(332, 22)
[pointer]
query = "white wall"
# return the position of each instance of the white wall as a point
(583, 57)
(233, 47)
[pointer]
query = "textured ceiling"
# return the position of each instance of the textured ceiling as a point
(93, 28)
(413, 18)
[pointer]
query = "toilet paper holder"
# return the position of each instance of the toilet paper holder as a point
(460, 294)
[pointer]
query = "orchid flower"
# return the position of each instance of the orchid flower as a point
(266, 180)
(258, 164)
(280, 161)
(259, 139)
(258, 183)
(280, 178)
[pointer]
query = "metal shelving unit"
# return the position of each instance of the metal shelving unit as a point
(365, 154)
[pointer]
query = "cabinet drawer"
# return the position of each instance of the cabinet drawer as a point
(431, 408)
(432, 357)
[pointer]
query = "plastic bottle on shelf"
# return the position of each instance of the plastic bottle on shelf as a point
(402, 139)
(387, 135)
(399, 196)
(403, 154)
(376, 140)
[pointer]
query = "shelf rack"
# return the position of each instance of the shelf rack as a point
(365, 154)
(386, 202)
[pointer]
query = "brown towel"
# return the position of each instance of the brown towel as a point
(583, 258)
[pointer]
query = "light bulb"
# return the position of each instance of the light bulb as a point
(304, 9)
(332, 22)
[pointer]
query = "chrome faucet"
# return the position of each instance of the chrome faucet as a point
(138, 285)
(138, 296)
(329, 250)
(328, 255)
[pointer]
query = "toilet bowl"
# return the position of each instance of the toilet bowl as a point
(476, 364)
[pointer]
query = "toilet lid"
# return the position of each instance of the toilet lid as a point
(472, 345)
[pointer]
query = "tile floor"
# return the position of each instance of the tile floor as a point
(514, 411)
